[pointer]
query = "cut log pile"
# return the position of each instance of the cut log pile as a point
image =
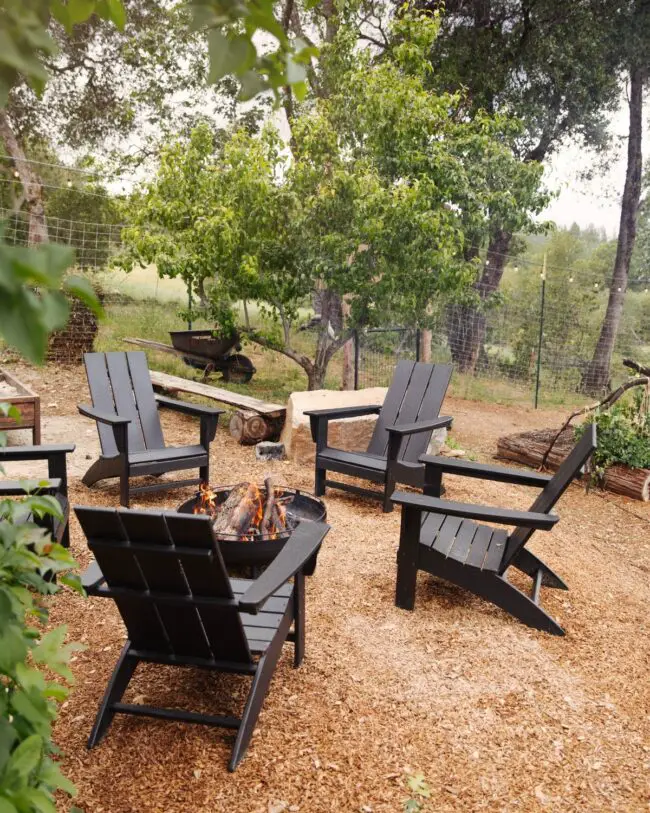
(530, 447)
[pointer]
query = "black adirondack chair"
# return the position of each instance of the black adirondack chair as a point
(56, 483)
(444, 538)
(125, 408)
(167, 577)
(402, 433)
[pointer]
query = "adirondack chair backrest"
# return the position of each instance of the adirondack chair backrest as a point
(151, 560)
(416, 393)
(120, 384)
(553, 490)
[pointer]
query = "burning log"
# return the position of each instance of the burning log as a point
(247, 513)
(240, 512)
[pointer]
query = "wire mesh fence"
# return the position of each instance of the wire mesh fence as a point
(532, 342)
(94, 243)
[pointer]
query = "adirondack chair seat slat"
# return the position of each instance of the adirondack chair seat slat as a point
(125, 409)
(167, 577)
(402, 432)
(455, 547)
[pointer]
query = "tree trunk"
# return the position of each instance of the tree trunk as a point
(596, 377)
(466, 324)
(425, 345)
(347, 379)
(33, 190)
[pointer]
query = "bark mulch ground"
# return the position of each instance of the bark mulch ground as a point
(496, 716)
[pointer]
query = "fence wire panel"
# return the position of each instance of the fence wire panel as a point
(378, 351)
(94, 243)
(532, 342)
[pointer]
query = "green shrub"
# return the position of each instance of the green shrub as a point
(30, 656)
(623, 434)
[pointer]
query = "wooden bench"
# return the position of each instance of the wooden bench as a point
(255, 420)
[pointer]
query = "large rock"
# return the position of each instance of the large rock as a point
(351, 434)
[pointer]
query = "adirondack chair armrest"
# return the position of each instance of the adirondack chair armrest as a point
(54, 454)
(421, 426)
(102, 417)
(482, 513)
(92, 577)
(336, 413)
(44, 452)
(303, 544)
(187, 408)
(18, 488)
(483, 471)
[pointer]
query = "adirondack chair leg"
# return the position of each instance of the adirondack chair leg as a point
(265, 669)
(528, 563)
(124, 487)
(101, 470)
(319, 482)
(500, 592)
(389, 488)
(120, 678)
(407, 559)
(299, 618)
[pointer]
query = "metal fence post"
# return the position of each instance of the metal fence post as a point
(417, 344)
(355, 338)
(541, 332)
(189, 306)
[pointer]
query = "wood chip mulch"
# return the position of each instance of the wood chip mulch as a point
(498, 717)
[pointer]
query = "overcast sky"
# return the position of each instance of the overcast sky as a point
(597, 201)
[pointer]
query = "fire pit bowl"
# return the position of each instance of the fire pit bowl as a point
(262, 549)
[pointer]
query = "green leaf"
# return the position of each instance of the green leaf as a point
(83, 290)
(80, 10)
(25, 758)
(13, 649)
(6, 806)
(52, 776)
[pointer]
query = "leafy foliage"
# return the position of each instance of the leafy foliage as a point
(623, 434)
(29, 655)
(373, 207)
(419, 792)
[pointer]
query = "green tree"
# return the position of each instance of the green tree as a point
(370, 210)
(554, 66)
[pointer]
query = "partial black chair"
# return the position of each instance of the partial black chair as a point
(444, 538)
(125, 408)
(55, 484)
(405, 423)
(167, 577)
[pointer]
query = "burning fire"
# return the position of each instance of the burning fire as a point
(248, 513)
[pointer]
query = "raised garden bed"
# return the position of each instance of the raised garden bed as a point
(13, 391)
(530, 447)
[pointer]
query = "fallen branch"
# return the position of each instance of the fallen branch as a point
(607, 401)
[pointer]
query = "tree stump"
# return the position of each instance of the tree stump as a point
(250, 427)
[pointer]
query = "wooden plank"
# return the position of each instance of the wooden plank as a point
(391, 407)
(125, 405)
(447, 535)
(479, 546)
(175, 383)
(439, 378)
(494, 555)
(463, 541)
(101, 394)
(145, 400)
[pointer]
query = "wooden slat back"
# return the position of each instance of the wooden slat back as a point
(125, 406)
(429, 407)
(416, 393)
(164, 574)
(145, 400)
(101, 393)
(109, 543)
(222, 624)
(391, 407)
(553, 490)
(189, 564)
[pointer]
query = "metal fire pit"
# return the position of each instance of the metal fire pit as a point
(261, 550)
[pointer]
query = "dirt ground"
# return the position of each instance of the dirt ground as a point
(496, 716)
